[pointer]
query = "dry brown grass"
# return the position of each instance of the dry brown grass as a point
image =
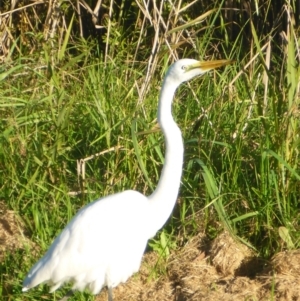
(228, 255)
(221, 270)
(12, 232)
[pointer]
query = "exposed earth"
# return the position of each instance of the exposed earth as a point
(223, 269)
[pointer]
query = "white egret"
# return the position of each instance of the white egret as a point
(104, 243)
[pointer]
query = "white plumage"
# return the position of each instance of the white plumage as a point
(83, 252)
(104, 243)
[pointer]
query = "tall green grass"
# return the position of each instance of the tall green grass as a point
(240, 126)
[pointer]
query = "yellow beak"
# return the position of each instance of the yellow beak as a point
(209, 65)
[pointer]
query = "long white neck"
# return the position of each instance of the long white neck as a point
(163, 199)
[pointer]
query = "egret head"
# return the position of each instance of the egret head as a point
(185, 69)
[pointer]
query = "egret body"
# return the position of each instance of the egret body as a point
(104, 243)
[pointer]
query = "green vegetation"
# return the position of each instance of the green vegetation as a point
(69, 98)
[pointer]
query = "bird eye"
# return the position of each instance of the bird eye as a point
(183, 67)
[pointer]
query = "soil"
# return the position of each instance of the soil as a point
(223, 269)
